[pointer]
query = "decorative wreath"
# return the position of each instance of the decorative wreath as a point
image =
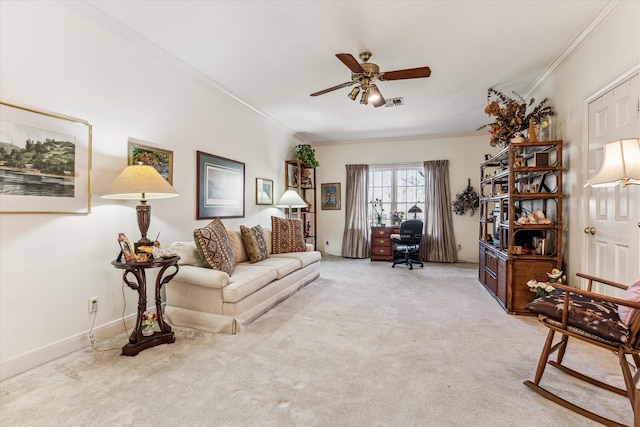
(467, 200)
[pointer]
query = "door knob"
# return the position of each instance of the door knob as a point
(590, 230)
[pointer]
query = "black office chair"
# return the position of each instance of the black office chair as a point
(406, 245)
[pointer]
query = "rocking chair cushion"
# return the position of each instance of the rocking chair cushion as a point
(595, 317)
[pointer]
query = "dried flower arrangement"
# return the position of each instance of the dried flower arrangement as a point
(511, 115)
(467, 200)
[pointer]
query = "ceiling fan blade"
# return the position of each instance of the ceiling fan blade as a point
(351, 62)
(410, 73)
(331, 89)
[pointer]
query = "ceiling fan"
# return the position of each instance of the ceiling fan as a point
(365, 73)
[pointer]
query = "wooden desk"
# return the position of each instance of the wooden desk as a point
(381, 246)
(137, 341)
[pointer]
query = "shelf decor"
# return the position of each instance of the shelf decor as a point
(511, 116)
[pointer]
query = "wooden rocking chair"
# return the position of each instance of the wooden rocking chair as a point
(571, 313)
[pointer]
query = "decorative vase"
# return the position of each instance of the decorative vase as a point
(532, 131)
(147, 331)
(379, 219)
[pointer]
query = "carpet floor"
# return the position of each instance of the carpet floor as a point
(363, 345)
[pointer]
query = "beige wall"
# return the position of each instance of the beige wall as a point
(54, 58)
(610, 53)
(463, 152)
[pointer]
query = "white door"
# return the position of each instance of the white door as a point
(612, 231)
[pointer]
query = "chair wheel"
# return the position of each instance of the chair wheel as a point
(393, 266)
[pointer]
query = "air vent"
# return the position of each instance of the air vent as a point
(394, 102)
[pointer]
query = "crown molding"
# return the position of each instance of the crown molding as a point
(573, 46)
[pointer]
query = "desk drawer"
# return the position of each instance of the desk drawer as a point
(381, 232)
(380, 242)
(381, 250)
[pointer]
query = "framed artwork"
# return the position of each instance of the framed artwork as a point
(220, 187)
(127, 248)
(330, 194)
(161, 160)
(264, 191)
(45, 162)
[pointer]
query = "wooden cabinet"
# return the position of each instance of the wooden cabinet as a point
(520, 234)
(381, 245)
(301, 177)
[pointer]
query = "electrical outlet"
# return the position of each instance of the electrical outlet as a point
(459, 247)
(326, 243)
(93, 304)
(92, 339)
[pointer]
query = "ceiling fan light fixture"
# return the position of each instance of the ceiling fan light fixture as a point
(354, 93)
(365, 98)
(374, 93)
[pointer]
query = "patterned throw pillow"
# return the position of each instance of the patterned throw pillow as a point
(286, 235)
(214, 246)
(254, 243)
(628, 314)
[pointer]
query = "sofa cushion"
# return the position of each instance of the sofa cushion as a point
(286, 235)
(303, 258)
(283, 266)
(254, 243)
(247, 279)
(237, 246)
(214, 246)
(188, 253)
(628, 314)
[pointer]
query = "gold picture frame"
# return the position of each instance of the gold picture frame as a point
(52, 171)
(160, 159)
(126, 249)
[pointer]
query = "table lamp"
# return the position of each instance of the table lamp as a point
(621, 164)
(140, 182)
(291, 199)
(415, 210)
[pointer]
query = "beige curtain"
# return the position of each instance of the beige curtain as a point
(355, 240)
(439, 241)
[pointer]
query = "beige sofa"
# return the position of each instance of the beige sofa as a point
(212, 300)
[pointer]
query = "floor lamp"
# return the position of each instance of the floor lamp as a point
(291, 199)
(140, 182)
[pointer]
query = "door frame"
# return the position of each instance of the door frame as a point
(584, 173)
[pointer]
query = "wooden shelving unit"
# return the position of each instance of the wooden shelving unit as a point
(301, 177)
(522, 179)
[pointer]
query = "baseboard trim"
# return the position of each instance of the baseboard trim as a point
(53, 351)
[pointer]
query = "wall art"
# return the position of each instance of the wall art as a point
(264, 191)
(330, 194)
(160, 159)
(45, 162)
(220, 187)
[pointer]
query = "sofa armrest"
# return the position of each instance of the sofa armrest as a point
(202, 276)
(308, 247)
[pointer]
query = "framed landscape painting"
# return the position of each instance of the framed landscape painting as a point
(45, 162)
(161, 160)
(264, 191)
(220, 189)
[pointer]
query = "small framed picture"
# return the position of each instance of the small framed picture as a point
(127, 248)
(331, 196)
(140, 152)
(264, 191)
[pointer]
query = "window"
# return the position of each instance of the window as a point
(399, 187)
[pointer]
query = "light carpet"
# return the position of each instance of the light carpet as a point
(364, 345)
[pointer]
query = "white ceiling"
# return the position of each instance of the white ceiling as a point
(271, 55)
